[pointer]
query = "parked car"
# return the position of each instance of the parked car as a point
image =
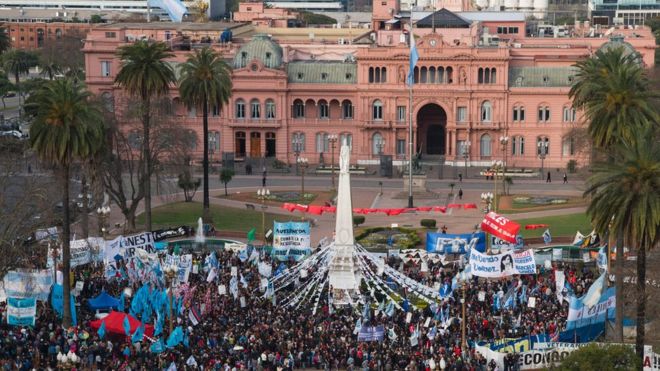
(10, 94)
(13, 134)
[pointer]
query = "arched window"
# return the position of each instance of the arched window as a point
(214, 141)
(377, 144)
(377, 110)
(542, 145)
(371, 74)
(322, 143)
(486, 111)
(422, 76)
(191, 139)
(568, 146)
(377, 75)
(441, 75)
(346, 139)
(58, 33)
(480, 76)
(485, 146)
(450, 75)
(108, 101)
(298, 109)
(493, 76)
(569, 114)
(487, 75)
(324, 110)
(240, 109)
(431, 75)
(270, 109)
(347, 109)
(514, 146)
(522, 146)
(383, 74)
(416, 75)
(255, 109)
(298, 142)
(518, 146)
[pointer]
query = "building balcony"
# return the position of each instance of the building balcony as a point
(321, 122)
(377, 124)
(254, 123)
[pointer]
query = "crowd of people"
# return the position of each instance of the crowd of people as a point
(258, 334)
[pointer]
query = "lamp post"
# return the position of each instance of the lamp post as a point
(332, 139)
(466, 155)
(542, 152)
(303, 163)
(102, 213)
(67, 361)
(463, 324)
(263, 194)
(497, 167)
(504, 142)
(487, 198)
(171, 272)
(297, 148)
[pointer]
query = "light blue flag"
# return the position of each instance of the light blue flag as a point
(602, 258)
(138, 335)
(366, 311)
(101, 330)
(595, 291)
(496, 302)
(186, 341)
(445, 291)
(523, 294)
(414, 56)
(546, 237)
(176, 337)
(243, 255)
(389, 311)
(127, 326)
(358, 326)
(158, 328)
(431, 335)
(157, 347)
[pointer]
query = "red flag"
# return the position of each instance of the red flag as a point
(288, 206)
(395, 211)
(500, 227)
(454, 206)
(441, 209)
(469, 206)
(300, 207)
(536, 226)
(424, 208)
(315, 209)
(357, 210)
(329, 209)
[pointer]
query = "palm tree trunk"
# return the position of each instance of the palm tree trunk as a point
(66, 252)
(618, 286)
(206, 215)
(147, 162)
(84, 218)
(641, 301)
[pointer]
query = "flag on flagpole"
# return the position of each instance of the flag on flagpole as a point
(251, 235)
(547, 238)
(414, 56)
(193, 316)
(101, 330)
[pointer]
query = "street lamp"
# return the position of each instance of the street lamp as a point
(487, 197)
(171, 272)
(466, 155)
(67, 361)
(542, 152)
(102, 213)
(463, 324)
(504, 141)
(303, 163)
(297, 148)
(332, 138)
(497, 167)
(263, 194)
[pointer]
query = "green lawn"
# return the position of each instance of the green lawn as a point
(224, 218)
(563, 225)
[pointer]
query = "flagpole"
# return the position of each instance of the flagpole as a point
(410, 121)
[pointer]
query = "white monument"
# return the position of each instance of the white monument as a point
(344, 275)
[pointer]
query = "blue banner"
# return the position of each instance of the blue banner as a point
(21, 312)
(291, 240)
(371, 333)
(443, 243)
(57, 301)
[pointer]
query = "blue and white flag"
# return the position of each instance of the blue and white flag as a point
(547, 238)
(138, 335)
(496, 302)
(580, 315)
(101, 330)
(233, 287)
(176, 337)
(243, 255)
(366, 311)
(431, 335)
(358, 326)
(594, 293)
(445, 291)
(391, 334)
(27, 283)
(602, 257)
(389, 310)
(414, 56)
(523, 294)
(21, 312)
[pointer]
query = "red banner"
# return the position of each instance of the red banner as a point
(500, 227)
(536, 226)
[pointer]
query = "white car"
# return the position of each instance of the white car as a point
(13, 133)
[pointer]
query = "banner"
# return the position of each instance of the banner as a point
(57, 302)
(291, 235)
(443, 243)
(163, 234)
(543, 359)
(501, 265)
(184, 262)
(371, 333)
(500, 226)
(580, 315)
(498, 245)
(21, 312)
(286, 254)
(126, 247)
(28, 283)
(48, 233)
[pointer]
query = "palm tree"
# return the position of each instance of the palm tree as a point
(65, 127)
(5, 43)
(145, 74)
(17, 62)
(613, 91)
(49, 69)
(627, 189)
(205, 82)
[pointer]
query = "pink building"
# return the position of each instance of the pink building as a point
(259, 14)
(478, 78)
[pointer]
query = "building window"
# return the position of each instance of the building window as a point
(105, 68)
(347, 109)
(322, 143)
(255, 112)
(377, 144)
(270, 109)
(486, 112)
(401, 113)
(568, 146)
(324, 111)
(518, 146)
(542, 145)
(377, 74)
(377, 110)
(298, 142)
(569, 114)
(401, 147)
(486, 76)
(544, 114)
(298, 109)
(485, 146)
(191, 139)
(461, 114)
(519, 113)
(215, 111)
(346, 139)
(110, 35)
(240, 109)
(214, 141)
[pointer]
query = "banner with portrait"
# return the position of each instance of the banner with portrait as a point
(502, 265)
(28, 283)
(444, 243)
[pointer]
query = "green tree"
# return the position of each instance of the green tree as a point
(594, 357)
(613, 91)
(5, 42)
(17, 62)
(624, 192)
(189, 185)
(49, 69)
(95, 18)
(205, 82)
(225, 177)
(66, 127)
(5, 87)
(145, 74)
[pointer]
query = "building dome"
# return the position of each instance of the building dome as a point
(616, 41)
(261, 47)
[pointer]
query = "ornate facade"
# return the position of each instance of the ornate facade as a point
(478, 78)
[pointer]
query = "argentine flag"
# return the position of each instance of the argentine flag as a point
(414, 56)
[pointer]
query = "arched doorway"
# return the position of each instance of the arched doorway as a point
(431, 127)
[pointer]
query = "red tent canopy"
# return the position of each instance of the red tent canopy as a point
(114, 324)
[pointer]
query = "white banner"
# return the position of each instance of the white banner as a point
(501, 265)
(560, 282)
(291, 235)
(184, 262)
(501, 246)
(28, 283)
(127, 246)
